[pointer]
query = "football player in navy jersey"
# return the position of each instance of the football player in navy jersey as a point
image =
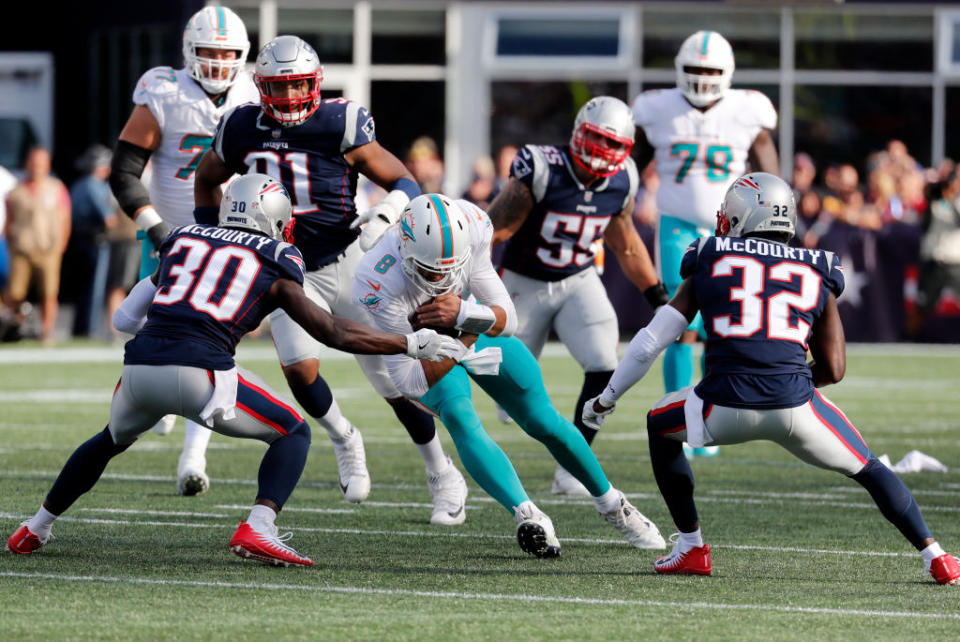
(763, 304)
(317, 148)
(559, 201)
(213, 285)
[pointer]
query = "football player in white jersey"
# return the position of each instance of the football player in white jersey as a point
(433, 269)
(174, 117)
(701, 135)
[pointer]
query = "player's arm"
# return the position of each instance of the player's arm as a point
(212, 172)
(763, 154)
(139, 138)
(434, 371)
(450, 311)
(510, 209)
(632, 255)
(828, 346)
(386, 170)
(643, 151)
(351, 336)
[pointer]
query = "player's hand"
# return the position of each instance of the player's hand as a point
(375, 220)
(595, 413)
(427, 344)
(441, 312)
(157, 234)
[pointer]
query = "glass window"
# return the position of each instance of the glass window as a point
(329, 31)
(755, 37)
(846, 124)
(423, 113)
(541, 112)
(847, 39)
(409, 37)
(952, 144)
(566, 37)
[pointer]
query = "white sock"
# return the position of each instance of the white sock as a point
(433, 456)
(525, 508)
(690, 540)
(42, 523)
(929, 554)
(195, 440)
(262, 518)
(609, 501)
(338, 427)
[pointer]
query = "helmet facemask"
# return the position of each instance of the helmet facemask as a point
(215, 75)
(434, 244)
(702, 89)
(215, 28)
(450, 274)
(598, 159)
(704, 51)
(290, 111)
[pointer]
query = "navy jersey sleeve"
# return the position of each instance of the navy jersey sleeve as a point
(290, 263)
(834, 279)
(358, 126)
(224, 139)
(691, 257)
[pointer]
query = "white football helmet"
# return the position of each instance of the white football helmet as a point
(758, 202)
(285, 59)
(215, 28)
(257, 203)
(434, 243)
(608, 118)
(710, 50)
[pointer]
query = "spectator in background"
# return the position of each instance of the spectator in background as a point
(88, 253)
(424, 162)
(38, 227)
(483, 183)
(939, 251)
(7, 182)
(124, 265)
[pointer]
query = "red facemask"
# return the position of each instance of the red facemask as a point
(723, 224)
(290, 110)
(599, 161)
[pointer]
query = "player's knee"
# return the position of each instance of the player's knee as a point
(314, 397)
(460, 417)
(302, 373)
(302, 431)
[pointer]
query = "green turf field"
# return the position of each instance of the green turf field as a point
(797, 552)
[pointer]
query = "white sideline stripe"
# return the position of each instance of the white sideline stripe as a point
(483, 596)
(160, 513)
(448, 534)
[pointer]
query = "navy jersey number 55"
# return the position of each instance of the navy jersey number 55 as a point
(759, 300)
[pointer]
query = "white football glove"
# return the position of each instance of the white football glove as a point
(378, 218)
(427, 344)
(592, 418)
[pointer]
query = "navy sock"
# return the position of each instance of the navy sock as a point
(282, 465)
(82, 471)
(593, 385)
(419, 424)
(674, 478)
(315, 398)
(895, 501)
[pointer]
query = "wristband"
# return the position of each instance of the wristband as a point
(147, 218)
(208, 215)
(475, 318)
(656, 295)
(408, 187)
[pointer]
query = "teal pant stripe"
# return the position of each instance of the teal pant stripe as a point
(148, 257)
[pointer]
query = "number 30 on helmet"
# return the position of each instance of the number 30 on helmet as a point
(257, 203)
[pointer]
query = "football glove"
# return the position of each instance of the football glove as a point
(592, 418)
(379, 217)
(427, 344)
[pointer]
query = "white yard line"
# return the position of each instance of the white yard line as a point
(500, 597)
(159, 513)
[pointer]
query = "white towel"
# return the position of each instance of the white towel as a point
(693, 417)
(916, 462)
(224, 397)
(484, 362)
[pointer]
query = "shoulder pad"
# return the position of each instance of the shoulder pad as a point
(644, 107)
(759, 109)
(158, 81)
(531, 166)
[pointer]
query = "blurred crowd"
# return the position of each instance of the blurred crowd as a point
(75, 246)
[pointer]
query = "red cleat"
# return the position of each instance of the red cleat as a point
(696, 561)
(945, 570)
(268, 548)
(23, 542)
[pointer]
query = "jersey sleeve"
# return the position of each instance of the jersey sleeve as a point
(290, 262)
(691, 257)
(633, 176)
(531, 168)
(642, 112)
(834, 279)
(761, 109)
(223, 141)
(152, 90)
(358, 127)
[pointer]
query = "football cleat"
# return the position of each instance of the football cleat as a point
(945, 570)
(503, 417)
(566, 484)
(695, 561)
(535, 533)
(165, 426)
(23, 542)
(267, 547)
(449, 490)
(638, 530)
(191, 476)
(352, 472)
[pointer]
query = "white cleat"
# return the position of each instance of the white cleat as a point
(631, 523)
(566, 484)
(535, 533)
(503, 416)
(192, 476)
(352, 472)
(449, 490)
(165, 426)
